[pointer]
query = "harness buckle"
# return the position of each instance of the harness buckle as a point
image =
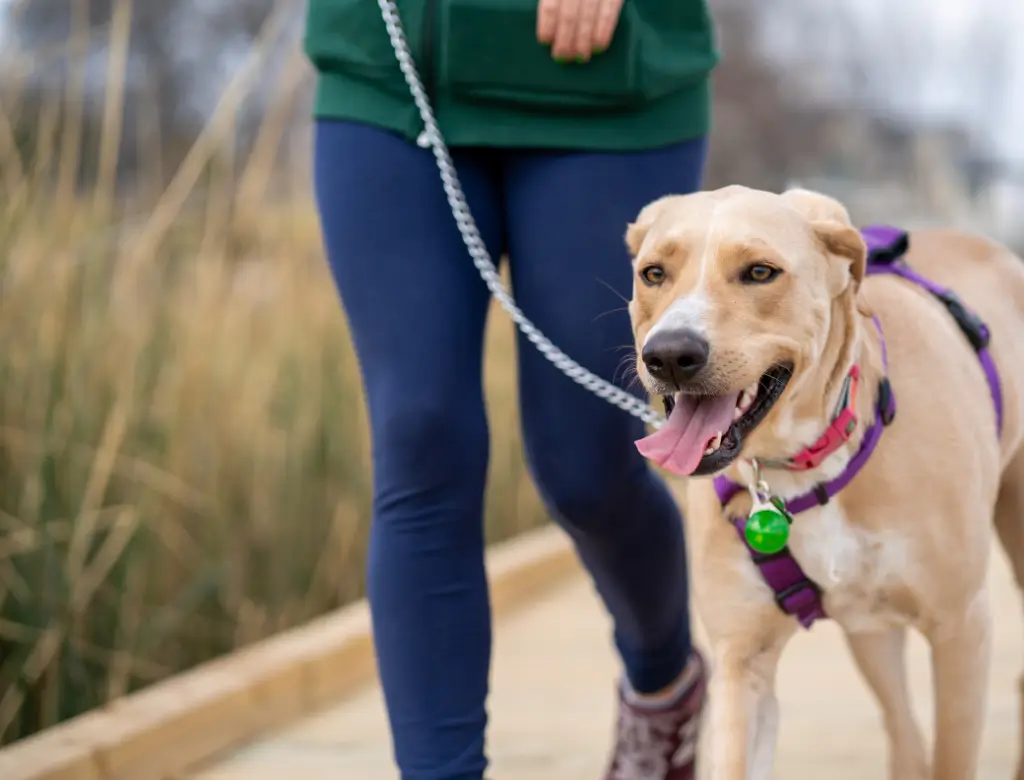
(792, 590)
(973, 328)
(886, 408)
(891, 253)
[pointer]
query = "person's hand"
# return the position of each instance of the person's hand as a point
(577, 29)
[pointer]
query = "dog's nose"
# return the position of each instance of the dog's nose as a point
(675, 355)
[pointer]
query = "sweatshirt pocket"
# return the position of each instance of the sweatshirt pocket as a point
(488, 52)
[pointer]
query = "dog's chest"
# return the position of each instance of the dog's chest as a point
(862, 573)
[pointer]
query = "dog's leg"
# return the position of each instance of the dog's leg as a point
(880, 658)
(961, 652)
(766, 735)
(1010, 526)
(744, 712)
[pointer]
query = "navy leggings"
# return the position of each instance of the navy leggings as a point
(416, 307)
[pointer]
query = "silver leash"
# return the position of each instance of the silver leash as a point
(431, 137)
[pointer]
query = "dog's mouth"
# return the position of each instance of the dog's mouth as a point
(704, 433)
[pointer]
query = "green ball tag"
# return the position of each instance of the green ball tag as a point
(767, 528)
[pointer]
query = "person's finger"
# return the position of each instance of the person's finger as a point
(607, 20)
(586, 26)
(565, 36)
(547, 21)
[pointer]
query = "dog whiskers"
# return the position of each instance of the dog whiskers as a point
(610, 311)
(617, 294)
(630, 377)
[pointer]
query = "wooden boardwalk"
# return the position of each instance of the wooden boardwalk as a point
(553, 695)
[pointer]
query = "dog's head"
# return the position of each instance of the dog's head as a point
(735, 298)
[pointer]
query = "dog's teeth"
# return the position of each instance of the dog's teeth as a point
(714, 444)
(746, 400)
(737, 413)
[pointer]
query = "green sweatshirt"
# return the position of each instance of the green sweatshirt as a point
(492, 84)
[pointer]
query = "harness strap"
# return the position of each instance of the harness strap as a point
(886, 247)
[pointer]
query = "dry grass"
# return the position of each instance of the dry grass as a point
(183, 448)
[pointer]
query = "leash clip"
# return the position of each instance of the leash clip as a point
(760, 490)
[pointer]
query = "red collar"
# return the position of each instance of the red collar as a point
(838, 433)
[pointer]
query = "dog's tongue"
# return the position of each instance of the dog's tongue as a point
(695, 420)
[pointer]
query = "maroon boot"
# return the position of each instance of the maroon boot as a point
(659, 741)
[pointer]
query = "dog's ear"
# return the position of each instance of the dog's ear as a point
(637, 230)
(844, 241)
(815, 206)
(833, 228)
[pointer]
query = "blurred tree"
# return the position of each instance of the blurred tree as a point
(181, 55)
(763, 132)
(174, 43)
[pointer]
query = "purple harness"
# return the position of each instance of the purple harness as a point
(795, 593)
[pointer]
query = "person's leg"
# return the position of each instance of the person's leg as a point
(567, 215)
(416, 307)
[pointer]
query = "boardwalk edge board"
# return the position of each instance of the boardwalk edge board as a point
(189, 719)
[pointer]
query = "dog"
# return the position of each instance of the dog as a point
(760, 319)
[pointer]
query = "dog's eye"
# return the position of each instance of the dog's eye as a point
(653, 274)
(759, 273)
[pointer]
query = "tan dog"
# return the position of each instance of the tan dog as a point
(736, 290)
